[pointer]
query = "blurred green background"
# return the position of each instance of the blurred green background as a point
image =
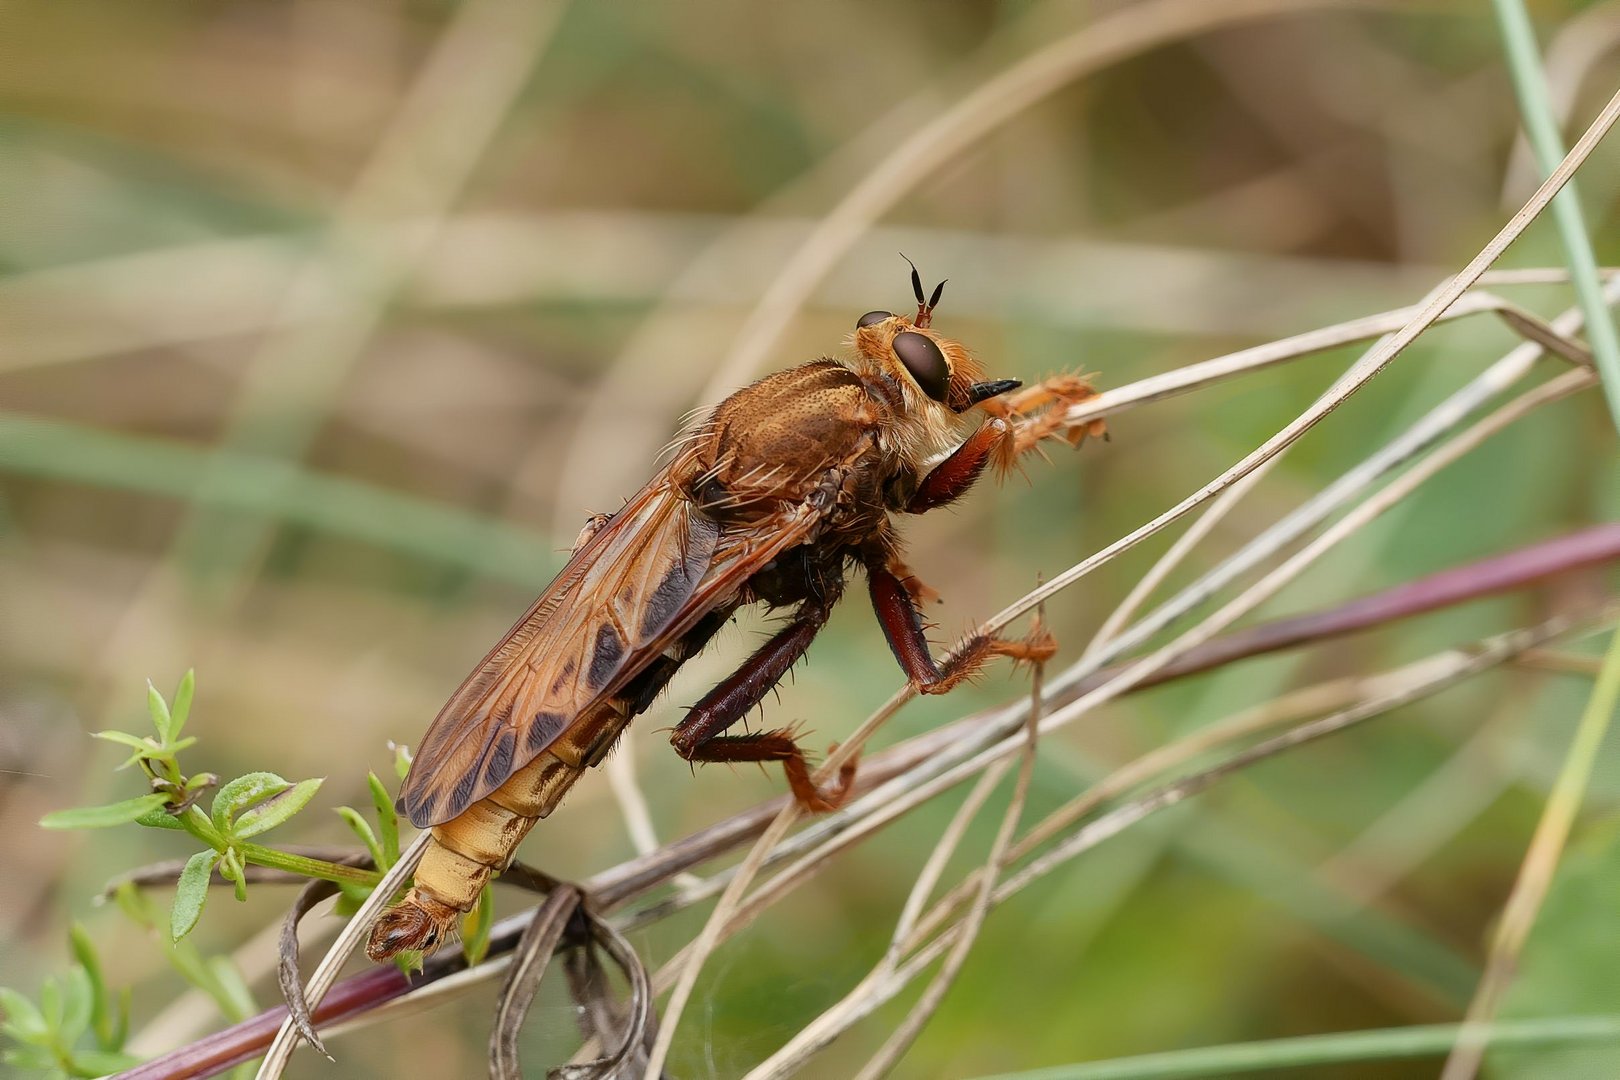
(325, 323)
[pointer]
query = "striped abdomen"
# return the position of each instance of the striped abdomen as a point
(479, 843)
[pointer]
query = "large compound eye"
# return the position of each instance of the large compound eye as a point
(872, 317)
(925, 362)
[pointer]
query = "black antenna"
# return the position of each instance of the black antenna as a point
(938, 289)
(916, 281)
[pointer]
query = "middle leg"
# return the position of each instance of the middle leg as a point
(897, 614)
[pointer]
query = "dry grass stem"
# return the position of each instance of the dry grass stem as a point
(1418, 437)
(1273, 582)
(1190, 377)
(1287, 709)
(1435, 674)
(1166, 564)
(900, 1040)
(1561, 663)
(934, 868)
(529, 963)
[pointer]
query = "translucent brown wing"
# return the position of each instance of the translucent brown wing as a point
(642, 581)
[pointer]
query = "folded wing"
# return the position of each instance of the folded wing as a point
(641, 582)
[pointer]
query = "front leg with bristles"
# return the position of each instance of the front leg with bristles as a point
(1040, 412)
(951, 478)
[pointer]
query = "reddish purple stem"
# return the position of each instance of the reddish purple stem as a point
(213, 1054)
(1474, 581)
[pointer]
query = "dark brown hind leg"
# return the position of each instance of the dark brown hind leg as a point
(700, 736)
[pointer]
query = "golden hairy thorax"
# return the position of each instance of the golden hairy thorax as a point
(775, 439)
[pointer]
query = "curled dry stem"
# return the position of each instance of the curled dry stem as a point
(529, 962)
(589, 986)
(287, 974)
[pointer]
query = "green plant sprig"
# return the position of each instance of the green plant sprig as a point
(77, 1027)
(50, 1037)
(242, 808)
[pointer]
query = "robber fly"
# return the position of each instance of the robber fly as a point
(771, 499)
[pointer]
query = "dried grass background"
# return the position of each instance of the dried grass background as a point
(323, 325)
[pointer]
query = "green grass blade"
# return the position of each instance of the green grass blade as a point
(1541, 127)
(259, 486)
(1385, 1044)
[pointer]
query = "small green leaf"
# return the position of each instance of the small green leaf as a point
(50, 1003)
(124, 738)
(350, 897)
(101, 817)
(158, 709)
(134, 903)
(402, 759)
(352, 818)
(231, 990)
(276, 809)
(159, 819)
(231, 869)
(182, 703)
(242, 793)
(120, 1026)
(387, 821)
(77, 1002)
(191, 894)
(103, 1062)
(475, 927)
(24, 1021)
(41, 1057)
(102, 1021)
(85, 952)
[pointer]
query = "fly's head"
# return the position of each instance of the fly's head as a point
(938, 376)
